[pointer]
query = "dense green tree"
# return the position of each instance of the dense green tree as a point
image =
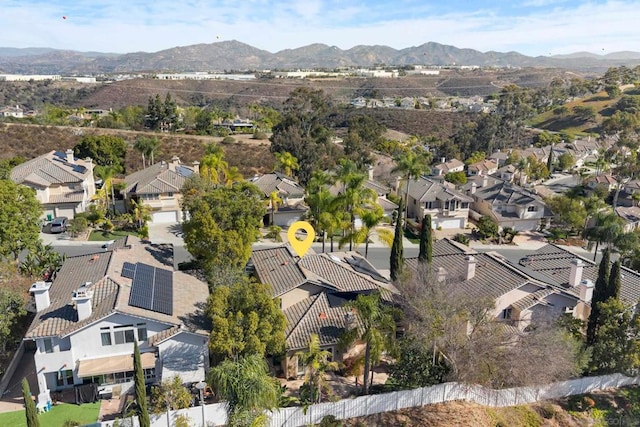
(396, 261)
(456, 178)
(41, 261)
(161, 115)
(170, 395)
(20, 214)
(616, 345)
(615, 281)
(223, 224)
(303, 132)
(245, 320)
(476, 156)
(426, 240)
(247, 387)
(377, 330)
(600, 294)
(363, 134)
(613, 90)
(105, 150)
(565, 161)
(12, 309)
(487, 227)
(568, 213)
(6, 165)
(417, 366)
(140, 389)
(29, 405)
(317, 363)
(584, 113)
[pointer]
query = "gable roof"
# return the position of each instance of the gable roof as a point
(427, 190)
(51, 168)
(322, 314)
(111, 291)
(280, 183)
(483, 165)
(447, 166)
(552, 264)
(629, 214)
(162, 177)
(498, 191)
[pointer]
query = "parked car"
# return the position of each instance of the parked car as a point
(58, 225)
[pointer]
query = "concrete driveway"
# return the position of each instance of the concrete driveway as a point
(166, 234)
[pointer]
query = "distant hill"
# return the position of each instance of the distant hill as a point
(235, 55)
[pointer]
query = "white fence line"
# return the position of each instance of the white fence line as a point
(215, 414)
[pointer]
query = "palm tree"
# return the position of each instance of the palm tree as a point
(107, 173)
(232, 176)
(353, 199)
(247, 387)
(146, 146)
(607, 229)
(141, 213)
(274, 200)
(287, 163)
(316, 362)
(371, 219)
(213, 167)
(411, 166)
(376, 328)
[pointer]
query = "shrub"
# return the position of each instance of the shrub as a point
(228, 140)
(548, 411)
(259, 135)
(461, 238)
(588, 402)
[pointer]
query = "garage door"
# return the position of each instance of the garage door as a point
(68, 212)
(451, 223)
(164, 217)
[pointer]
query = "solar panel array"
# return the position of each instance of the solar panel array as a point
(128, 270)
(152, 288)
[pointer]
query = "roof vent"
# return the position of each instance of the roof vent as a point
(322, 315)
(335, 258)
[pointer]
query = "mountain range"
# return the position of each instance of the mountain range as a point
(235, 55)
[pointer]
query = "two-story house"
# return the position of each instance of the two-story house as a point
(312, 291)
(444, 167)
(159, 186)
(508, 204)
(448, 207)
(483, 167)
(291, 208)
(88, 318)
(64, 184)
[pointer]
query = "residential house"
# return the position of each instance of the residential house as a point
(444, 167)
(519, 298)
(64, 184)
(507, 173)
(629, 193)
(292, 208)
(16, 112)
(604, 182)
(159, 186)
(448, 207)
(88, 318)
(508, 204)
(312, 291)
(483, 167)
(631, 217)
(500, 157)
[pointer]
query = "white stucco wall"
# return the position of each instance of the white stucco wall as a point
(185, 355)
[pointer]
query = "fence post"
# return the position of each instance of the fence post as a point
(444, 393)
(422, 396)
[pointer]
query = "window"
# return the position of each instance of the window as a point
(464, 205)
(48, 345)
(170, 194)
(125, 336)
(506, 313)
(532, 208)
(142, 331)
(106, 338)
(64, 378)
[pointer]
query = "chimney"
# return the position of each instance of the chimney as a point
(471, 267)
(349, 321)
(586, 290)
(443, 160)
(196, 166)
(442, 274)
(175, 160)
(485, 181)
(474, 186)
(83, 299)
(575, 274)
(40, 291)
(370, 172)
(70, 158)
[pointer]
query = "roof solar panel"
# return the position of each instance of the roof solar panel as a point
(128, 270)
(152, 288)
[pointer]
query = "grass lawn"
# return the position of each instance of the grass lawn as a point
(59, 414)
(100, 236)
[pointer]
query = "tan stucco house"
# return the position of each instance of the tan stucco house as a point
(64, 184)
(159, 186)
(291, 208)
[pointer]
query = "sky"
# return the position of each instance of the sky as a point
(531, 27)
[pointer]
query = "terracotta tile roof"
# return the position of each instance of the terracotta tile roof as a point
(51, 168)
(532, 299)
(483, 165)
(278, 268)
(163, 335)
(320, 314)
(72, 197)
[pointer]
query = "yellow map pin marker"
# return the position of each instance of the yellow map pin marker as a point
(301, 246)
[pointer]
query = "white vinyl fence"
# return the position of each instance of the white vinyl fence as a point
(215, 414)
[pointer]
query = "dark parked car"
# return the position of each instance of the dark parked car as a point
(58, 225)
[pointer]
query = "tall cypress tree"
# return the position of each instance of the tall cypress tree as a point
(396, 262)
(615, 281)
(426, 240)
(29, 405)
(600, 294)
(141, 391)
